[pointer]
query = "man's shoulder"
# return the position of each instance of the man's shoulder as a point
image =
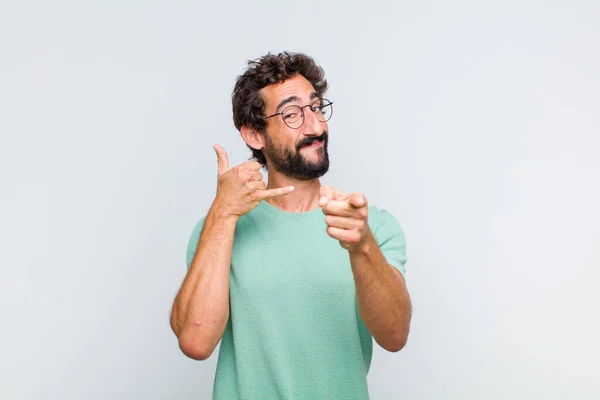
(379, 215)
(384, 223)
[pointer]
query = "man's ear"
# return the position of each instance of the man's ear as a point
(252, 137)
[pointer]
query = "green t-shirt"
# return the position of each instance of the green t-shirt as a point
(294, 331)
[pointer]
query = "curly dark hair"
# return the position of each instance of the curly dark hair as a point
(249, 107)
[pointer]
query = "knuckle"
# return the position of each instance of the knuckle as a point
(245, 178)
(252, 165)
(250, 185)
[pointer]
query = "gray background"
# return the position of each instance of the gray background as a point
(475, 123)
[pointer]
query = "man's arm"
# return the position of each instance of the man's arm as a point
(383, 300)
(201, 308)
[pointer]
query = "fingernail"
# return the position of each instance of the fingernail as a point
(291, 188)
(322, 200)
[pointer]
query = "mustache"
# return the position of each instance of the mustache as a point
(310, 140)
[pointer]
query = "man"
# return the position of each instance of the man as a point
(294, 278)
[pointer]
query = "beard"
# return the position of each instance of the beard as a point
(293, 164)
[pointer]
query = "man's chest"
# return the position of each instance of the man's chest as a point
(308, 265)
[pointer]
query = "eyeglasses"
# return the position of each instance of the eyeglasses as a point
(293, 116)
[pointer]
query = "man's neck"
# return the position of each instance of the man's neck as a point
(304, 198)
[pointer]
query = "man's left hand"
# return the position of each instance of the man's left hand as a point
(346, 217)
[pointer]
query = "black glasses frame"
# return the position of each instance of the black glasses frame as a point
(312, 108)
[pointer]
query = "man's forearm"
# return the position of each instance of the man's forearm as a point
(201, 308)
(383, 300)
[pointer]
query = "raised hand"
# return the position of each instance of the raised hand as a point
(346, 216)
(241, 188)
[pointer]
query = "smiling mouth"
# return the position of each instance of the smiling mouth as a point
(316, 143)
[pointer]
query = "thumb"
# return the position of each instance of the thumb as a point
(222, 159)
(328, 193)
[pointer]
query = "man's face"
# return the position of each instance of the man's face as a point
(298, 153)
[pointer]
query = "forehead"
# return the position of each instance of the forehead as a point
(295, 86)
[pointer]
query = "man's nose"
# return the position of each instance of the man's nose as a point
(312, 124)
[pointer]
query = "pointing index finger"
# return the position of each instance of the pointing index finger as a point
(269, 193)
(357, 200)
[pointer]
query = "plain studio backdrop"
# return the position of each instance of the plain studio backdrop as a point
(477, 125)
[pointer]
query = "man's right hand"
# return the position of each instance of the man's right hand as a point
(241, 188)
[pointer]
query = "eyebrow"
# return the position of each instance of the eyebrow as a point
(287, 100)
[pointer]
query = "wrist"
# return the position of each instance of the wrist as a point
(222, 213)
(363, 248)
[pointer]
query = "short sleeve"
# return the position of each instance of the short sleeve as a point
(193, 242)
(389, 235)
